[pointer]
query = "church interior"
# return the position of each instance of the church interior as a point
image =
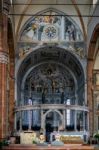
(49, 74)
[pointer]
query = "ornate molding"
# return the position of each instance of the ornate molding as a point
(51, 107)
(3, 58)
(5, 6)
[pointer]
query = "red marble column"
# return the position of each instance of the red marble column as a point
(3, 74)
(11, 97)
(90, 96)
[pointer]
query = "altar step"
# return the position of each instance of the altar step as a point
(33, 147)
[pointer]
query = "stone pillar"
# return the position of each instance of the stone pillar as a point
(86, 94)
(76, 98)
(64, 119)
(75, 121)
(90, 96)
(21, 121)
(4, 8)
(3, 93)
(30, 118)
(15, 121)
(62, 32)
(11, 103)
(42, 120)
(83, 120)
(87, 121)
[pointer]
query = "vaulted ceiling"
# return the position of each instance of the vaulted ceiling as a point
(78, 10)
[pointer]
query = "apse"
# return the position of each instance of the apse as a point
(56, 66)
(51, 80)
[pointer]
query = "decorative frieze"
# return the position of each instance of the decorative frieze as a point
(3, 58)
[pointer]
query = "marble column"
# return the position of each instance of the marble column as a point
(76, 99)
(3, 94)
(30, 118)
(90, 96)
(64, 119)
(62, 29)
(4, 9)
(75, 121)
(20, 120)
(88, 121)
(15, 121)
(86, 94)
(55, 120)
(42, 120)
(83, 121)
(3, 74)
(12, 102)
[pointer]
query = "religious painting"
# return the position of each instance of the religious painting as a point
(49, 83)
(51, 26)
(42, 27)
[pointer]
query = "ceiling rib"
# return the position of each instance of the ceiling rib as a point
(21, 17)
(80, 18)
(28, 3)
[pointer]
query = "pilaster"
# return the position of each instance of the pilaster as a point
(4, 8)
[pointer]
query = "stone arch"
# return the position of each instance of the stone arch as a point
(21, 67)
(91, 50)
(67, 50)
(92, 53)
(40, 48)
(53, 110)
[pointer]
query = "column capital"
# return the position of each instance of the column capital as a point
(3, 57)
